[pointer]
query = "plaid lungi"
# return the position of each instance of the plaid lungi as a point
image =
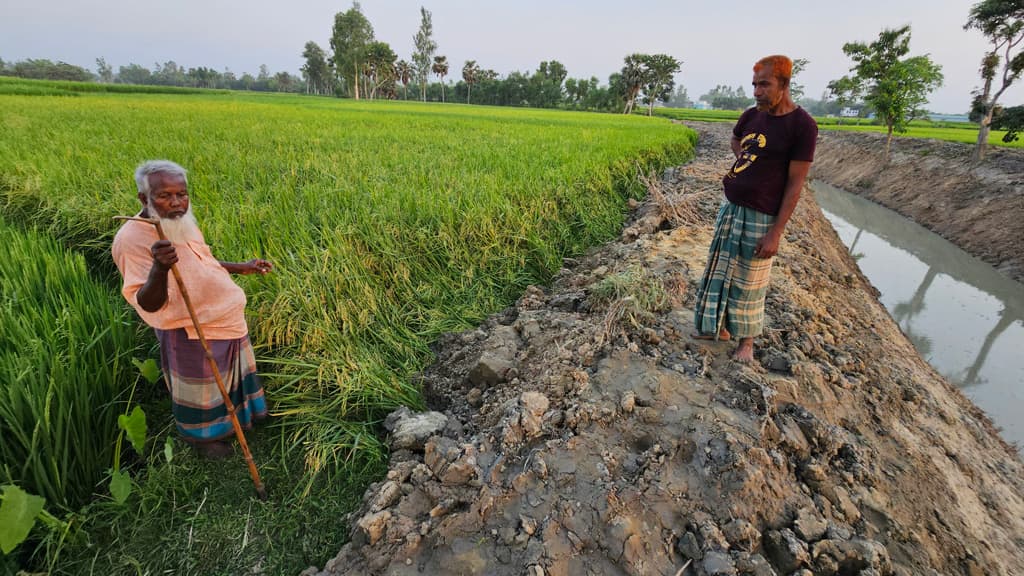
(734, 284)
(197, 405)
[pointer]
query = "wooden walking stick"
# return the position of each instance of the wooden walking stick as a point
(260, 490)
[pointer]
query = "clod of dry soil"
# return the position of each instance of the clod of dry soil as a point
(582, 432)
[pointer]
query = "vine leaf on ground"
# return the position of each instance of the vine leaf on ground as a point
(149, 370)
(134, 425)
(18, 513)
(120, 486)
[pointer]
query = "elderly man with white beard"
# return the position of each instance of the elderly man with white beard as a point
(144, 262)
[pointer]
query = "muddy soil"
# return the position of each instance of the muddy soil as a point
(979, 208)
(582, 432)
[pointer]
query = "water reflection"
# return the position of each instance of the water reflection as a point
(965, 318)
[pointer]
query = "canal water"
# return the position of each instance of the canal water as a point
(966, 319)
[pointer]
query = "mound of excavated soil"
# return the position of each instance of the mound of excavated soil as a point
(977, 207)
(582, 432)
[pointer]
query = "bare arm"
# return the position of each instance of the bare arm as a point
(153, 294)
(769, 245)
(735, 145)
(254, 266)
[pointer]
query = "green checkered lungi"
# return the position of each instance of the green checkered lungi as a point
(734, 284)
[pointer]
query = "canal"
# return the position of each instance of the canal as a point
(965, 318)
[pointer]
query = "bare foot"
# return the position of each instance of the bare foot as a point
(215, 450)
(723, 336)
(745, 351)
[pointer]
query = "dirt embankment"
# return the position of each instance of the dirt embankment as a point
(979, 208)
(581, 432)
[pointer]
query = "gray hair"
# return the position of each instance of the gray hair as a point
(149, 167)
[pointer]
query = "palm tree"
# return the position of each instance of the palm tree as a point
(403, 72)
(633, 75)
(440, 67)
(469, 73)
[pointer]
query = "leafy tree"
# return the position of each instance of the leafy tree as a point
(202, 77)
(316, 71)
(170, 74)
(1009, 119)
(380, 68)
(579, 91)
(284, 82)
(796, 91)
(422, 58)
(1002, 22)
(658, 78)
(133, 74)
(403, 73)
(651, 73)
(632, 80)
(42, 69)
(722, 97)
(545, 89)
(679, 98)
(827, 105)
(103, 70)
(440, 67)
(895, 88)
(351, 34)
(470, 70)
(247, 82)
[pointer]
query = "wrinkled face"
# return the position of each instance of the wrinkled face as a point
(768, 90)
(168, 195)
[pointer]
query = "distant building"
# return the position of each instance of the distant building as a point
(701, 105)
(849, 112)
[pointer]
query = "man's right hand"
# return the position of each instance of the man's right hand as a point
(164, 255)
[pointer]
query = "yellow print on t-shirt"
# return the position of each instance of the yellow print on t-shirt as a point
(751, 142)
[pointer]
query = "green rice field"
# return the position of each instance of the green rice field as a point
(389, 224)
(950, 131)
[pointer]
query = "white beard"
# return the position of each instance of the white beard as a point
(179, 230)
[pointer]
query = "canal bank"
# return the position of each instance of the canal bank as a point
(963, 317)
(581, 431)
(980, 208)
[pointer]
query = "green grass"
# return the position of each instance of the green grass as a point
(948, 134)
(698, 115)
(194, 516)
(66, 345)
(29, 87)
(389, 224)
(964, 132)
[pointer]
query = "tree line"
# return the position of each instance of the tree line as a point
(895, 85)
(884, 80)
(166, 74)
(358, 65)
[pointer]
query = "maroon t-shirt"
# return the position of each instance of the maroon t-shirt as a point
(758, 177)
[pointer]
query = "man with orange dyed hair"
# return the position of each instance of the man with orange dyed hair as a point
(774, 147)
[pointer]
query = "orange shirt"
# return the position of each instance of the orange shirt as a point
(219, 302)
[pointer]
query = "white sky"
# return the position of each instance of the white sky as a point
(718, 41)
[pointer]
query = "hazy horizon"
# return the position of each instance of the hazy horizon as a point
(717, 43)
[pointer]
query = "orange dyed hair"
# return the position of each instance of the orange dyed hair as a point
(782, 67)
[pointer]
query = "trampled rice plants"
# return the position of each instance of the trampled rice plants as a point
(66, 345)
(390, 223)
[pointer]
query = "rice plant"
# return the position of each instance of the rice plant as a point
(66, 345)
(26, 86)
(389, 223)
